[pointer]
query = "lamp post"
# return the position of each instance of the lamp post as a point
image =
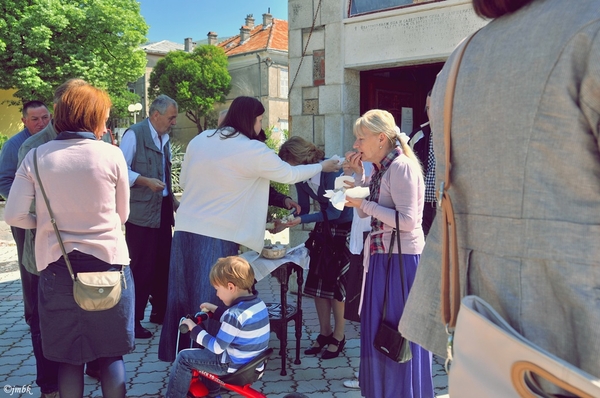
(134, 109)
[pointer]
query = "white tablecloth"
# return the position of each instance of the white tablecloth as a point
(264, 266)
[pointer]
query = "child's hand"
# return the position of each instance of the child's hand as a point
(189, 323)
(208, 307)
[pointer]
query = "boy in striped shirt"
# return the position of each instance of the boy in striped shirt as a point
(243, 333)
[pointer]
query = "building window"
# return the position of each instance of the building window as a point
(366, 6)
(283, 83)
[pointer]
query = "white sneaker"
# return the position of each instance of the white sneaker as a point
(351, 384)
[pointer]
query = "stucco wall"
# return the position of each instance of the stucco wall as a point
(10, 116)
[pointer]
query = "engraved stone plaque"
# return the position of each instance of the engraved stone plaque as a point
(409, 36)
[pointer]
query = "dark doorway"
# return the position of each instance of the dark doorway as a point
(399, 90)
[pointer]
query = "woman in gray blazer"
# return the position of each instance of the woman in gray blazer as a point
(526, 178)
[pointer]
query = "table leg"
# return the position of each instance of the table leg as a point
(298, 320)
(283, 329)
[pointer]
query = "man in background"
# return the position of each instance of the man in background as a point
(148, 231)
(421, 141)
(35, 117)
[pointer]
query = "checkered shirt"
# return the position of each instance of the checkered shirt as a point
(375, 187)
(430, 175)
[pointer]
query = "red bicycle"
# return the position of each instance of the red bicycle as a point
(240, 381)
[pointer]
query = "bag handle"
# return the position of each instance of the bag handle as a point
(52, 219)
(521, 370)
(450, 289)
(396, 234)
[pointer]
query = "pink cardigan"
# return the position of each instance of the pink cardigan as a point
(87, 186)
(402, 189)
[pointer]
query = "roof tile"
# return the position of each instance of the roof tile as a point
(274, 37)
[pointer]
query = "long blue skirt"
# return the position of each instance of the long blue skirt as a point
(192, 257)
(379, 376)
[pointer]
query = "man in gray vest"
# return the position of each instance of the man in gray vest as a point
(148, 230)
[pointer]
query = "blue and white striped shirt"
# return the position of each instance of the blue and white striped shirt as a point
(243, 335)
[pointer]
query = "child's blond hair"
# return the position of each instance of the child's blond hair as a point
(232, 269)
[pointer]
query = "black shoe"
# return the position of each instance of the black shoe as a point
(92, 369)
(334, 354)
(155, 318)
(322, 341)
(141, 332)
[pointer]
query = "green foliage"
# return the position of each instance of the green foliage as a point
(195, 80)
(45, 42)
(3, 139)
(274, 144)
(177, 153)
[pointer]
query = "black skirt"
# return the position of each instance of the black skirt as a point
(327, 274)
(73, 335)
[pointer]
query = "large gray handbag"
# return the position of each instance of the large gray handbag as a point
(489, 358)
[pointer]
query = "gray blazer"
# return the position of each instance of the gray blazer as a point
(526, 181)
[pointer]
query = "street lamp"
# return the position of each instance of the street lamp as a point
(134, 109)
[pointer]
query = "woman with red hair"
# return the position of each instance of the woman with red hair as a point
(87, 186)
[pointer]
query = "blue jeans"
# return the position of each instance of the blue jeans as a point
(181, 372)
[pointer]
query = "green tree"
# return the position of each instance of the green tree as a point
(45, 42)
(196, 80)
(275, 144)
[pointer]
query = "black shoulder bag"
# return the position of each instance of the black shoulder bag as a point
(388, 339)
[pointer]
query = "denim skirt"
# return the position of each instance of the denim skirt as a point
(192, 257)
(76, 336)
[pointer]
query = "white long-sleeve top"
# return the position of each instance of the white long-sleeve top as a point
(226, 187)
(87, 185)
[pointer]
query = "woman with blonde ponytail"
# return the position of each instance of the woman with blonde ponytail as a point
(396, 185)
(326, 280)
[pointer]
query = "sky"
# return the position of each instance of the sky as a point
(174, 20)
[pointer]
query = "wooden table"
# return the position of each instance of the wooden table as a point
(280, 314)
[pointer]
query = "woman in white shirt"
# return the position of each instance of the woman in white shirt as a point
(225, 176)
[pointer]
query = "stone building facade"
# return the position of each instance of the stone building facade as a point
(349, 56)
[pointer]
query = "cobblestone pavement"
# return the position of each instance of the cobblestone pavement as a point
(148, 377)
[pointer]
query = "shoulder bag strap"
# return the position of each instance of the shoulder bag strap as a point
(52, 219)
(450, 289)
(396, 235)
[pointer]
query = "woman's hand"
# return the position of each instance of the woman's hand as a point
(353, 202)
(353, 163)
(330, 165)
(289, 203)
(293, 223)
(279, 226)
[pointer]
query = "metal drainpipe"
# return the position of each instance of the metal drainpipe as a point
(259, 78)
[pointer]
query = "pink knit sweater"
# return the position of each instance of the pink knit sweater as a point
(87, 186)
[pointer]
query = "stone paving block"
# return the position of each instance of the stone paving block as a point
(148, 389)
(11, 361)
(92, 389)
(338, 373)
(309, 374)
(152, 377)
(283, 386)
(28, 371)
(154, 367)
(23, 351)
(319, 386)
(347, 393)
